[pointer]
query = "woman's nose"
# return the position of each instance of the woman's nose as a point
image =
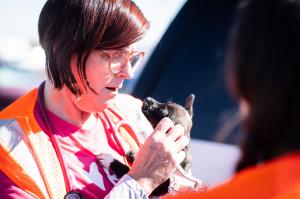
(126, 72)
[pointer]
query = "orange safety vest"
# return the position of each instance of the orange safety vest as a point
(26, 155)
(276, 179)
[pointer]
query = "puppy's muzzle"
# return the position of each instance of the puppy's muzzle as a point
(149, 105)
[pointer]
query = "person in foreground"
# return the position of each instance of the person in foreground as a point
(51, 137)
(263, 61)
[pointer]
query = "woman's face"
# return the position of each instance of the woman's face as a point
(104, 83)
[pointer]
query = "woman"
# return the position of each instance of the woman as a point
(263, 61)
(51, 138)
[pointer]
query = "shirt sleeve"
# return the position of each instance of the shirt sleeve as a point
(127, 188)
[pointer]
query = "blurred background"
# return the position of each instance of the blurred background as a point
(184, 54)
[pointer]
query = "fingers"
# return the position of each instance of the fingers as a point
(176, 132)
(182, 142)
(166, 130)
(163, 126)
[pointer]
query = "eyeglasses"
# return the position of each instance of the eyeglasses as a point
(119, 59)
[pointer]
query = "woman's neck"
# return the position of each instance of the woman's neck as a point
(61, 104)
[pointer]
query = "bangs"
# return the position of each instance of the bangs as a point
(126, 25)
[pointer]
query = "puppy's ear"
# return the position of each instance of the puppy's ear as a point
(189, 104)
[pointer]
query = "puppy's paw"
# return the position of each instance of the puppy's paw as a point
(112, 165)
(130, 156)
(105, 159)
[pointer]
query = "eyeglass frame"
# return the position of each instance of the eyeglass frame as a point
(110, 53)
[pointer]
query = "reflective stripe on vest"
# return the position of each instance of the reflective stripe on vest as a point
(19, 165)
(46, 181)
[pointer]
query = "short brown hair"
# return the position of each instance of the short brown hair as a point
(68, 27)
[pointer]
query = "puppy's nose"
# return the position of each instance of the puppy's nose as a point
(150, 104)
(149, 101)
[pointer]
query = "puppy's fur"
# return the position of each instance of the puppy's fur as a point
(154, 112)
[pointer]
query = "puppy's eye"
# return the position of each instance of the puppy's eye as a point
(164, 112)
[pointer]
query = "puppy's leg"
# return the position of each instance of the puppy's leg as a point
(114, 165)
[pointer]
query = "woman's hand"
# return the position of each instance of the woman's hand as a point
(158, 156)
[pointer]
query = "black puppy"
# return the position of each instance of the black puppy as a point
(154, 112)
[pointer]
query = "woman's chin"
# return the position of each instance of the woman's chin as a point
(105, 104)
(94, 105)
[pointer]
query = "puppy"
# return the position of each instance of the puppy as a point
(154, 112)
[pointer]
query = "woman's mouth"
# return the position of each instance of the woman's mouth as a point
(114, 89)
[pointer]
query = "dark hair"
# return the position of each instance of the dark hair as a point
(68, 27)
(263, 61)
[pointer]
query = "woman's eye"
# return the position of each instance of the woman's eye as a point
(116, 55)
(116, 58)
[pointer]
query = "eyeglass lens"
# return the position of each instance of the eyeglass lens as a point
(135, 60)
(119, 60)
